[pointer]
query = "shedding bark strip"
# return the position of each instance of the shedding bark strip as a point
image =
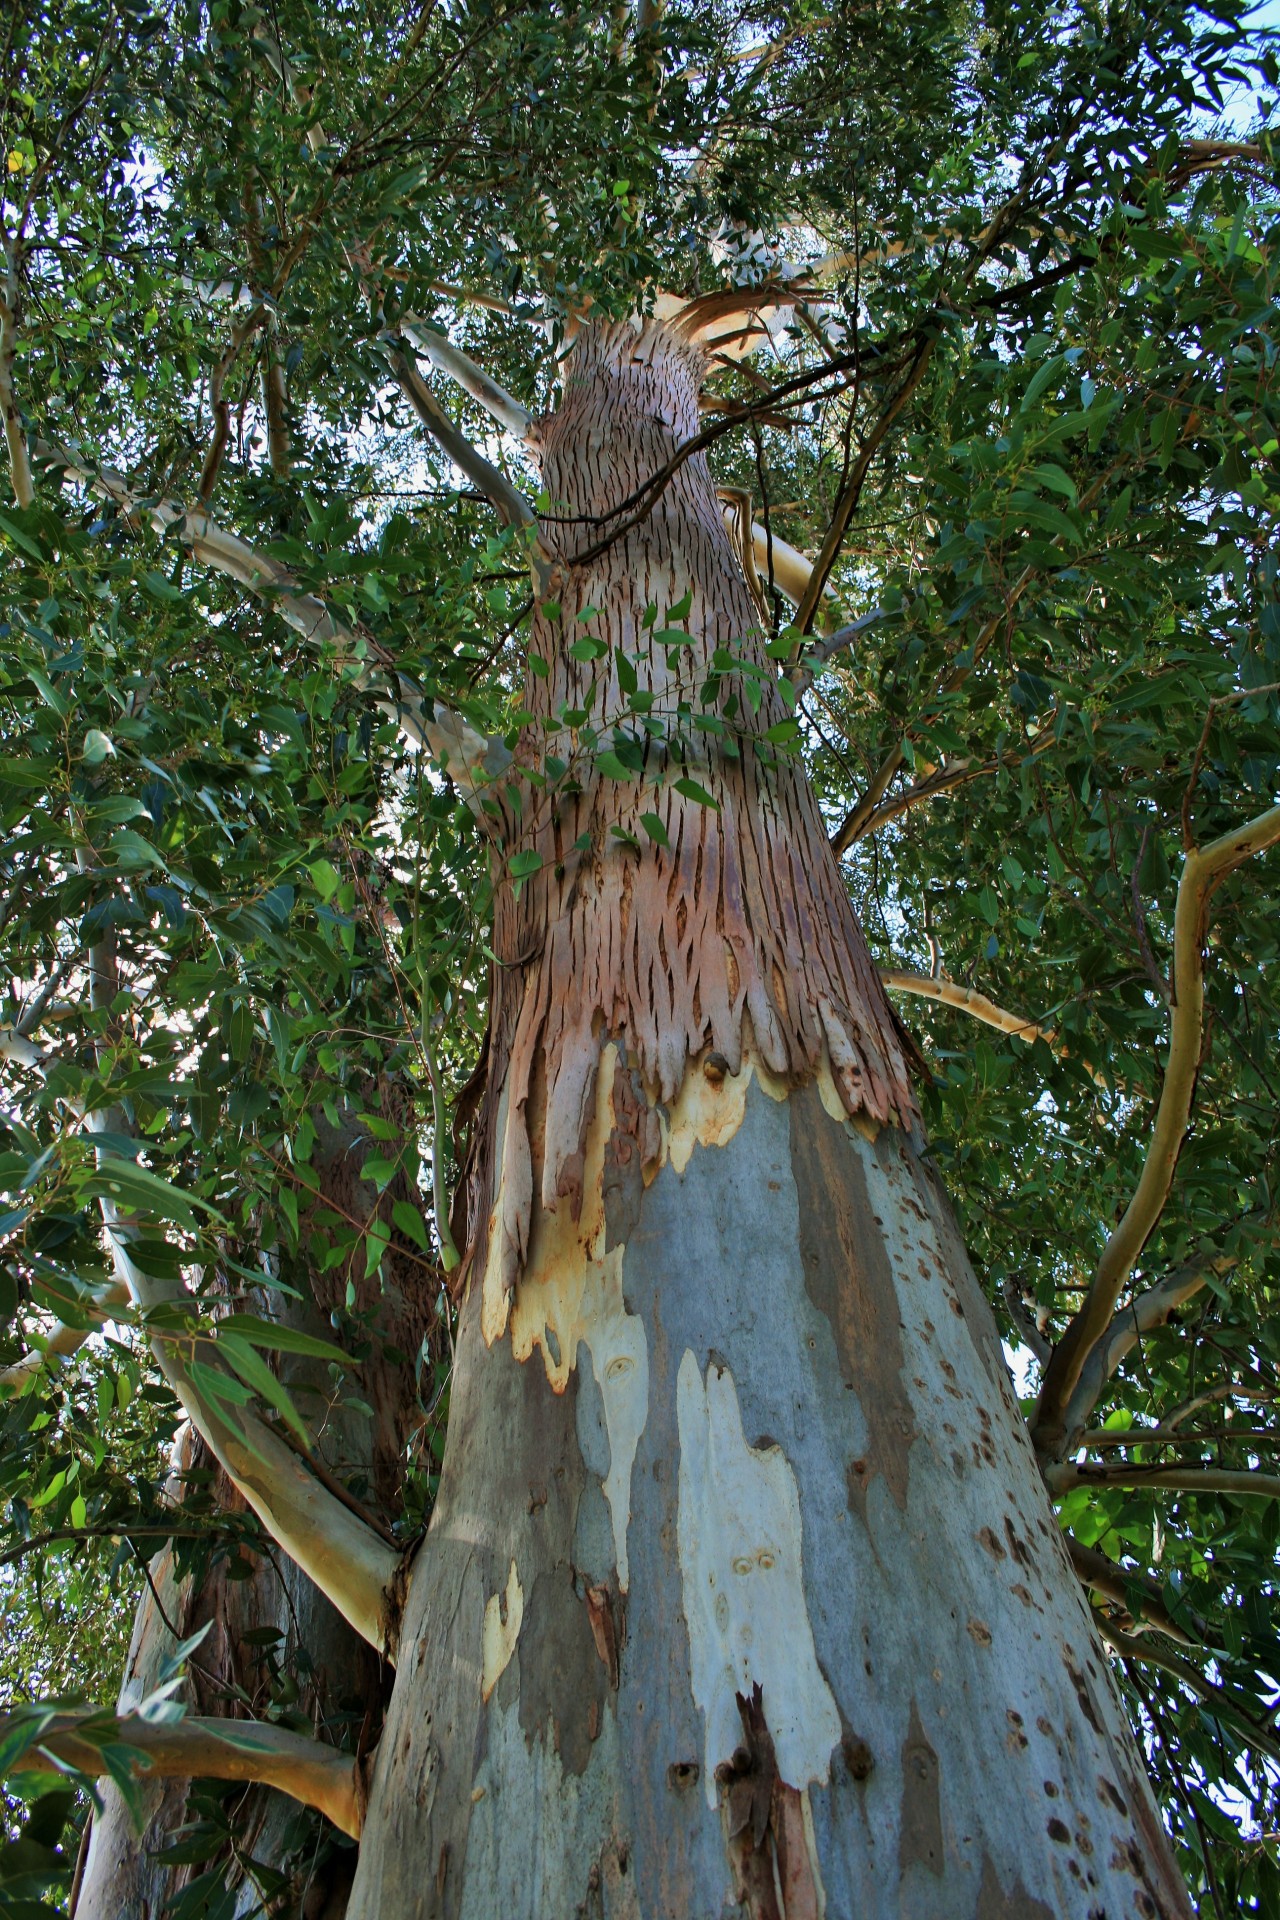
(727, 925)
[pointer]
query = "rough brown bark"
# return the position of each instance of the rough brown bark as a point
(742, 1593)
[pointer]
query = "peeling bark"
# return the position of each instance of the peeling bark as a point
(742, 1588)
(743, 921)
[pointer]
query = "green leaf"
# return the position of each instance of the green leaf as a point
(655, 827)
(270, 1334)
(135, 1189)
(325, 878)
(692, 790)
(255, 1373)
(410, 1223)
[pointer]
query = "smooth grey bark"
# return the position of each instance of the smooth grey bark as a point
(833, 1496)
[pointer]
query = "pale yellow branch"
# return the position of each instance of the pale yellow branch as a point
(19, 461)
(1202, 871)
(61, 1342)
(950, 993)
(204, 1749)
(350, 1563)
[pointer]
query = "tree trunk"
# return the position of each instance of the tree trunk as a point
(279, 1846)
(283, 1860)
(742, 1592)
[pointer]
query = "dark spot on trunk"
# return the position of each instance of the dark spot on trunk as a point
(858, 1756)
(560, 1676)
(995, 1904)
(920, 1835)
(607, 1612)
(683, 1774)
(849, 1280)
(626, 1153)
(1084, 1694)
(1017, 1547)
(1059, 1830)
(1112, 1794)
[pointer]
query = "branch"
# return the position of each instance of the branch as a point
(1023, 1323)
(348, 1561)
(467, 755)
(511, 504)
(1121, 1584)
(1141, 1315)
(19, 462)
(350, 1564)
(1217, 1697)
(825, 650)
(60, 1342)
(1178, 1479)
(195, 1748)
(458, 366)
(1203, 870)
(111, 1530)
(952, 994)
(847, 504)
(275, 400)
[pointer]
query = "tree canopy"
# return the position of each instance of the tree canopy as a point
(282, 288)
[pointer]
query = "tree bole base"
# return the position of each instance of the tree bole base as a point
(742, 1592)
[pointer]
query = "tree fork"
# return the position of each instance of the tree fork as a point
(742, 1588)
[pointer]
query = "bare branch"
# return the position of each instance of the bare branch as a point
(951, 994)
(1023, 1323)
(1123, 1584)
(61, 1341)
(823, 651)
(1176, 1479)
(511, 504)
(847, 504)
(1143, 1314)
(275, 405)
(1202, 872)
(1215, 1696)
(355, 1568)
(15, 439)
(350, 1564)
(204, 1749)
(460, 367)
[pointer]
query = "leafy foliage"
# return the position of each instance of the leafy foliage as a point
(1036, 379)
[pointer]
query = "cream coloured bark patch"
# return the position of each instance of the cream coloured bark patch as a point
(739, 1540)
(503, 1617)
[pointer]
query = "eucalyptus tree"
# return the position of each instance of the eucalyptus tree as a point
(558, 559)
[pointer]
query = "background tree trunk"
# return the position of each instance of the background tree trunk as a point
(742, 1589)
(283, 1854)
